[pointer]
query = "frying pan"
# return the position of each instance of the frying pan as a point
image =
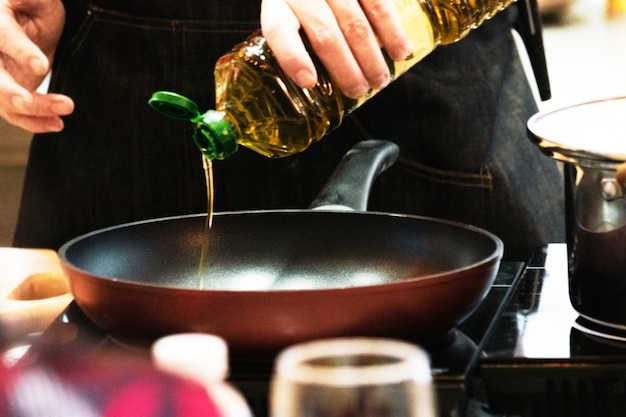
(274, 278)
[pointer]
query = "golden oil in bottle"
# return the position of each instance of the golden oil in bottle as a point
(453, 19)
(282, 119)
(270, 113)
(260, 107)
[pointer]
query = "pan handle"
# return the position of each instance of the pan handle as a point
(348, 187)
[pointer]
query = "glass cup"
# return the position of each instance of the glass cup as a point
(350, 377)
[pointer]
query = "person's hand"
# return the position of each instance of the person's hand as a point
(343, 35)
(29, 33)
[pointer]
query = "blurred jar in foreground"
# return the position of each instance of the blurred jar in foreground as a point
(352, 377)
(202, 358)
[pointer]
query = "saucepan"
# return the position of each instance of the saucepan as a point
(590, 138)
(269, 279)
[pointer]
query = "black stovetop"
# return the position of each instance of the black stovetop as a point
(542, 360)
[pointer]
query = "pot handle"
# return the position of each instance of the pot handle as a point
(348, 187)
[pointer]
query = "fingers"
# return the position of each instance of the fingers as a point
(30, 29)
(385, 19)
(280, 28)
(344, 34)
(323, 27)
(35, 112)
(17, 47)
(363, 46)
(43, 113)
(37, 124)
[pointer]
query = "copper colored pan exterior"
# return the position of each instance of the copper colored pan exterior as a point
(422, 276)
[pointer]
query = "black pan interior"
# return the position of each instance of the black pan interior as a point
(280, 250)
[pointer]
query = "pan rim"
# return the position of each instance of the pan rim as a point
(493, 258)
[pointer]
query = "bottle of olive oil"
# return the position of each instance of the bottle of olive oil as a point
(260, 107)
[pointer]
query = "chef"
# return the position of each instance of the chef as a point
(101, 156)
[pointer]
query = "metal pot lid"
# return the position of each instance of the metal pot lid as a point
(591, 134)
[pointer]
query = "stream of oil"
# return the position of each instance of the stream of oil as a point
(208, 175)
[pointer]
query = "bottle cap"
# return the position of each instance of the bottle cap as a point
(214, 135)
(174, 105)
(196, 356)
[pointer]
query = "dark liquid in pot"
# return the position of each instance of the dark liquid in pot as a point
(598, 275)
(597, 258)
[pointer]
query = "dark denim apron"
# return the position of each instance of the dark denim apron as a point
(459, 118)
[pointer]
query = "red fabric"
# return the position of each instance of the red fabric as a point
(113, 387)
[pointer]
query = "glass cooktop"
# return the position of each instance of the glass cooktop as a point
(542, 360)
